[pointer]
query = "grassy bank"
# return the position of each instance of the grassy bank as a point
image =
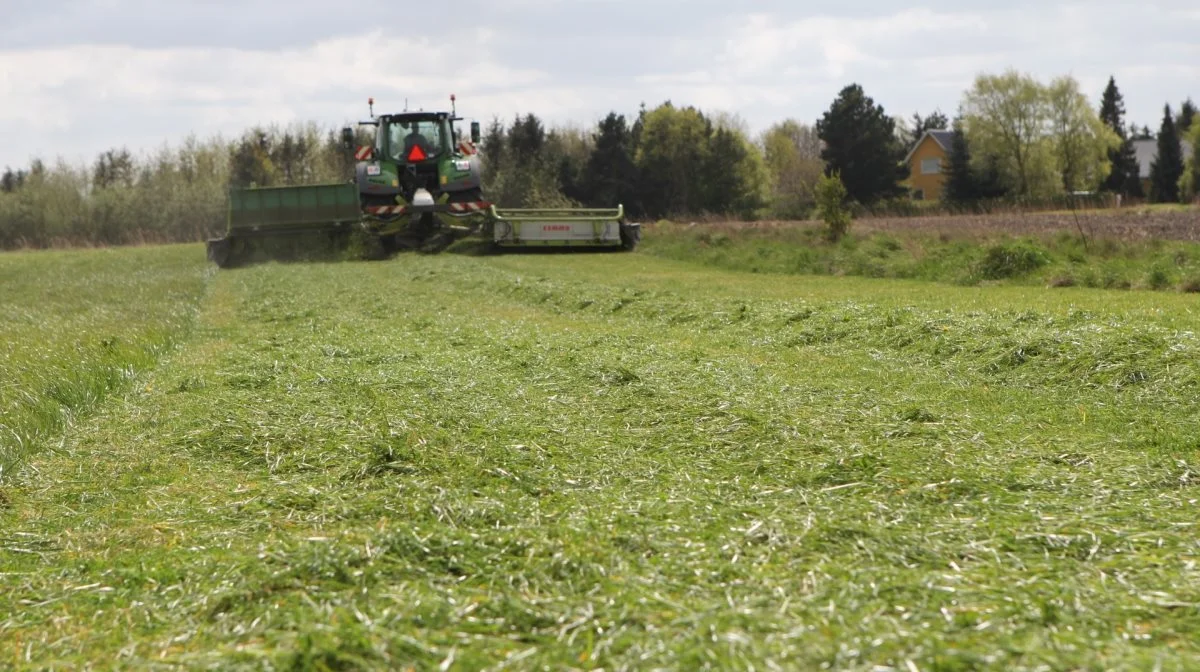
(1110, 252)
(619, 462)
(77, 325)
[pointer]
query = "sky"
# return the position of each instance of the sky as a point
(78, 77)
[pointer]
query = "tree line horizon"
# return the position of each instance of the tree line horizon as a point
(1016, 139)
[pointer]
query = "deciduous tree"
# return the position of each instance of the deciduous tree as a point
(1006, 117)
(1189, 183)
(671, 153)
(792, 152)
(1081, 141)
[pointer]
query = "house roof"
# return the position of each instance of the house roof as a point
(1147, 150)
(943, 138)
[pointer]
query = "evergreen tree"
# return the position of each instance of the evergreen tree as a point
(1168, 164)
(723, 185)
(989, 182)
(960, 181)
(937, 121)
(522, 164)
(1123, 179)
(967, 182)
(291, 156)
(861, 146)
(569, 179)
(610, 175)
(1187, 114)
(114, 168)
(8, 182)
(492, 150)
(250, 162)
(492, 142)
(526, 138)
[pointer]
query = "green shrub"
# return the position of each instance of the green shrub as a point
(1010, 260)
(831, 203)
(1158, 278)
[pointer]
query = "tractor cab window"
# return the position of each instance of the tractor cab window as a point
(404, 135)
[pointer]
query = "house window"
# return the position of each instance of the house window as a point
(931, 166)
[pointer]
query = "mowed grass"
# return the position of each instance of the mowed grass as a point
(621, 462)
(75, 325)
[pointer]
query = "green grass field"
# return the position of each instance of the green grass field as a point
(591, 462)
(1124, 253)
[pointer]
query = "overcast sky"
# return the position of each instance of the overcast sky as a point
(81, 76)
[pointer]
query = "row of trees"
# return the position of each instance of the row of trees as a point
(1014, 137)
(670, 160)
(173, 194)
(1018, 136)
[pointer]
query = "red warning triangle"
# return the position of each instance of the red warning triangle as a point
(416, 154)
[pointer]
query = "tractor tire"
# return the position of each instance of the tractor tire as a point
(467, 195)
(373, 200)
(631, 235)
(375, 248)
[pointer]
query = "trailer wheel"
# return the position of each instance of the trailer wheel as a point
(219, 251)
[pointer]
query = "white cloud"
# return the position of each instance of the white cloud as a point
(764, 42)
(66, 92)
(77, 96)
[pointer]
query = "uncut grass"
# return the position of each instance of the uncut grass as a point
(966, 253)
(76, 325)
(623, 463)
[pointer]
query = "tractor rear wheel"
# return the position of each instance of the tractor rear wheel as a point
(631, 235)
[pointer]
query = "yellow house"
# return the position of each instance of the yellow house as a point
(926, 162)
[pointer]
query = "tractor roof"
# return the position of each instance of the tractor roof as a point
(409, 116)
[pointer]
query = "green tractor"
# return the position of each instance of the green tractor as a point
(417, 187)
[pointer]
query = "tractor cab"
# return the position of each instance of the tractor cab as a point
(414, 138)
(416, 151)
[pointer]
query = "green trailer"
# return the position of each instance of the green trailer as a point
(275, 222)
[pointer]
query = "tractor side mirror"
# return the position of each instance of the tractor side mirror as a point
(475, 132)
(348, 137)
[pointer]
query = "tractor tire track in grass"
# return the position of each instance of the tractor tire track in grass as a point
(617, 462)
